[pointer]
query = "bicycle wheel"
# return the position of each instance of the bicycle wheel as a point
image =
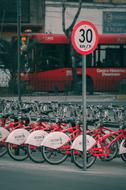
(35, 154)
(17, 152)
(3, 149)
(54, 156)
(114, 148)
(123, 156)
(78, 159)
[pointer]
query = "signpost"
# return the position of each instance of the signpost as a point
(84, 40)
(18, 45)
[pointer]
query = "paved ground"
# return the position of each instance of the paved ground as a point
(64, 98)
(116, 167)
(28, 175)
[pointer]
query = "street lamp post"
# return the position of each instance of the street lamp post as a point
(18, 46)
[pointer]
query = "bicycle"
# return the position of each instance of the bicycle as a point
(19, 132)
(100, 148)
(56, 145)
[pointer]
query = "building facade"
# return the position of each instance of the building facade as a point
(109, 16)
(32, 16)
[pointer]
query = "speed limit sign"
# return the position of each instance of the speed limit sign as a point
(84, 40)
(84, 37)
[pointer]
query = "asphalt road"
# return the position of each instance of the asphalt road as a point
(28, 175)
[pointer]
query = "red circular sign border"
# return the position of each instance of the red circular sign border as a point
(73, 34)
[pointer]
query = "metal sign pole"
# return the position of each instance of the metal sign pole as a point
(18, 45)
(84, 40)
(84, 109)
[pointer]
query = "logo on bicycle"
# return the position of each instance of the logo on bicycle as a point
(20, 137)
(58, 141)
(39, 137)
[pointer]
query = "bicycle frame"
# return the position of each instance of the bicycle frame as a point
(98, 149)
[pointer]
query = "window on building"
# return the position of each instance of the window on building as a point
(8, 11)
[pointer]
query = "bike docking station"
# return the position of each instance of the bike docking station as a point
(84, 40)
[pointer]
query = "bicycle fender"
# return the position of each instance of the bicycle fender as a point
(77, 143)
(3, 133)
(55, 140)
(36, 138)
(122, 149)
(18, 136)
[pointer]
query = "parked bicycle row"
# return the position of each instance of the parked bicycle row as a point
(114, 113)
(53, 139)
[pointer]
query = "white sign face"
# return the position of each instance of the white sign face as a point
(36, 137)
(55, 140)
(3, 133)
(84, 37)
(18, 136)
(77, 143)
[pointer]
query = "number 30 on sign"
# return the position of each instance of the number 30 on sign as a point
(84, 37)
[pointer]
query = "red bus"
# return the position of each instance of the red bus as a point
(49, 67)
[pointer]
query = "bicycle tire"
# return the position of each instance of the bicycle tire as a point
(17, 152)
(50, 155)
(123, 156)
(114, 148)
(3, 149)
(78, 159)
(35, 154)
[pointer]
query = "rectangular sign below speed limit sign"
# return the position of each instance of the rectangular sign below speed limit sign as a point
(84, 40)
(84, 37)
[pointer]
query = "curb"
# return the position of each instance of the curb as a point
(121, 97)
